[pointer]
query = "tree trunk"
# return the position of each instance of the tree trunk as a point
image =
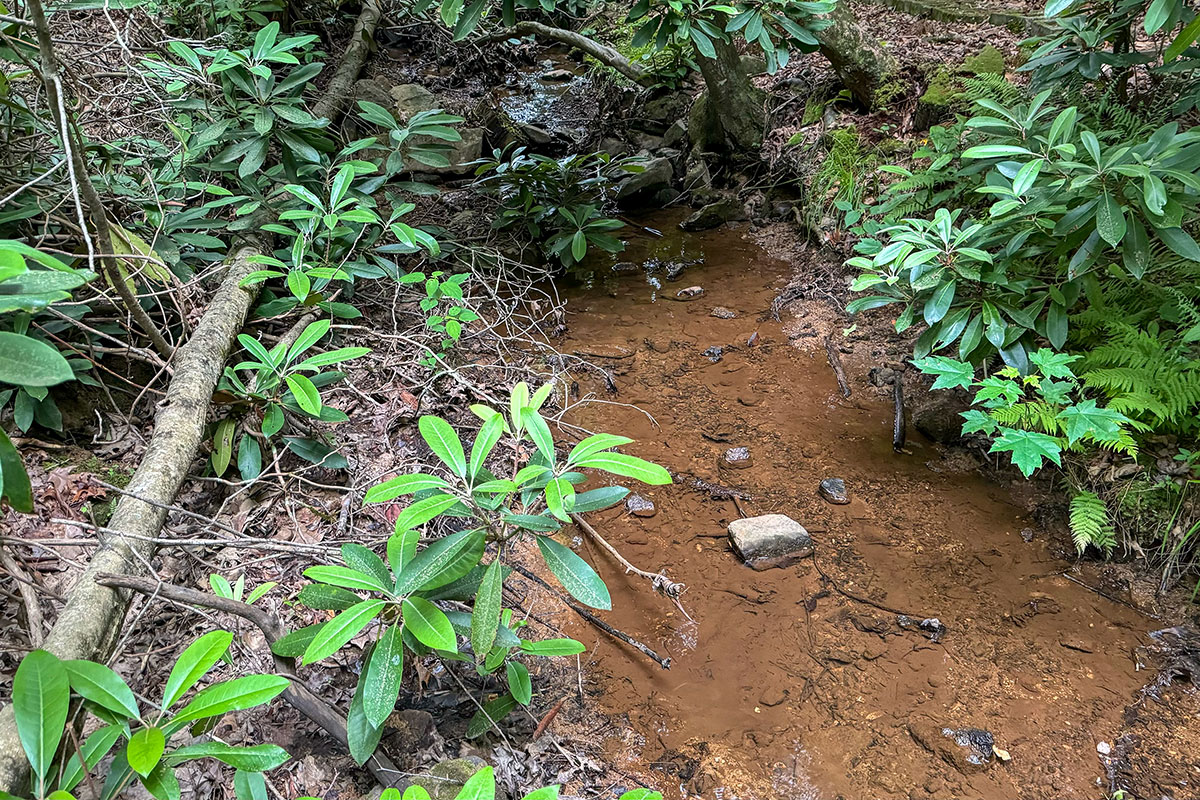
(859, 60)
(730, 115)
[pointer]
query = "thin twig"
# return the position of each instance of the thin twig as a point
(665, 663)
(658, 580)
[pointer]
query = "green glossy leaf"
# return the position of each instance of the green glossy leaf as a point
(1028, 449)
(402, 485)
(444, 443)
(102, 686)
(232, 695)
(627, 467)
(428, 624)
(194, 662)
(341, 629)
(25, 361)
(382, 677)
(485, 617)
(519, 683)
(552, 647)
(41, 693)
(145, 750)
(576, 576)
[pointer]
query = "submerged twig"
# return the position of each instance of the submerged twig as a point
(658, 580)
(835, 361)
(665, 663)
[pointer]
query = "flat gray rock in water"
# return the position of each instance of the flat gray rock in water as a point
(772, 540)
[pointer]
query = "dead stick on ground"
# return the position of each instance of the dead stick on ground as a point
(658, 580)
(899, 433)
(835, 361)
(665, 663)
(33, 609)
(297, 695)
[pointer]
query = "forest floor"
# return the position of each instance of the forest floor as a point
(799, 683)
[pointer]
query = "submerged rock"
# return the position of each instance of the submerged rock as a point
(772, 540)
(728, 209)
(834, 490)
(690, 293)
(737, 458)
(640, 506)
(714, 353)
(721, 312)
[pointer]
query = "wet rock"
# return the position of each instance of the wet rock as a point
(834, 490)
(447, 778)
(697, 177)
(721, 312)
(737, 458)
(534, 134)
(881, 376)
(728, 209)
(640, 506)
(411, 98)
(772, 696)
(690, 293)
(940, 422)
(714, 353)
(372, 91)
(968, 750)
(625, 266)
(772, 540)
(557, 75)
(659, 113)
(656, 175)
(460, 153)
(675, 269)
(410, 730)
(931, 625)
(676, 135)
(614, 147)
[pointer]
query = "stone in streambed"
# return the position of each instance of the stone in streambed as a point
(834, 490)
(737, 458)
(772, 540)
(721, 312)
(690, 293)
(640, 506)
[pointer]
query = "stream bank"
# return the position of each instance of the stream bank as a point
(784, 686)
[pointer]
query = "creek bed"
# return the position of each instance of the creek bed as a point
(783, 687)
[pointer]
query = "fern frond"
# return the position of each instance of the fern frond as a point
(1090, 523)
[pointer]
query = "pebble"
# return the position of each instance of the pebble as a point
(737, 458)
(714, 353)
(834, 490)
(558, 75)
(690, 293)
(721, 312)
(640, 506)
(1103, 748)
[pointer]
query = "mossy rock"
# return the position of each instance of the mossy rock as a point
(446, 779)
(939, 102)
(989, 60)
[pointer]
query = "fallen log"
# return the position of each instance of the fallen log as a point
(90, 624)
(608, 56)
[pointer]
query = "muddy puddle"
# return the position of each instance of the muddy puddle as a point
(783, 687)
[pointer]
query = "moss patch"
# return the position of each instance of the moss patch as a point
(988, 60)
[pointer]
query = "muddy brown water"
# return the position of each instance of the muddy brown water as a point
(783, 687)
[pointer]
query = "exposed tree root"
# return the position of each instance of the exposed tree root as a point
(606, 55)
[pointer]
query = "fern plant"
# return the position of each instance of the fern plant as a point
(1090, 523)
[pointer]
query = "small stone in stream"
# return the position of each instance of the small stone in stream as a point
(737, 458)
(1103, 748)
(978, 743)
(1027, 534)
(932, 625)
(772, 540)
(1078, 645)
(557, 75)
(834, 490)
(714, 353)
(625, 266)
(721, 312)
(690, 293)
(675, 269)
(772, 696)
(640, 506)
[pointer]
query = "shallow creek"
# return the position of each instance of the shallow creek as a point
(784, 687)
